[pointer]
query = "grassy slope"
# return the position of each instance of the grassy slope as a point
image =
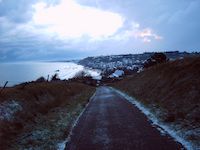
(173, 88)
(49, 110)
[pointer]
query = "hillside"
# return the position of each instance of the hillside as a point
(39, 115)
(126, 62)
(171, 91)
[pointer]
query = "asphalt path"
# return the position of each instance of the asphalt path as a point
(110, 122)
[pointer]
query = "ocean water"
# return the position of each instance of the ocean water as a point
(19, 72)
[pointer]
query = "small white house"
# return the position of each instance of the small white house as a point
(117, 73)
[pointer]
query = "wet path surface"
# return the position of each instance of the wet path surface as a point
(110, 122)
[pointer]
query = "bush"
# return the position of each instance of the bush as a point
(55, 77)
(80, 74)
(41, 79)
(156, 58)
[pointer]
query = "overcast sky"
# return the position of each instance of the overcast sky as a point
(70, 29)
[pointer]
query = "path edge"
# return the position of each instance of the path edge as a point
(68, 139)
(163, 128)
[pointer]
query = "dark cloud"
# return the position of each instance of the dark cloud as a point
(16, 11)
(176, 21)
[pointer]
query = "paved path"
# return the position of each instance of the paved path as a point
(110, 122)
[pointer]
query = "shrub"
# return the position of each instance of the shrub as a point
(156, 58)
(55, 77)
(41, 79)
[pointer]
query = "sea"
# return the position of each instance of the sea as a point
(19, 72)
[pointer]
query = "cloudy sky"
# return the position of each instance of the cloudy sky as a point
(70, 29)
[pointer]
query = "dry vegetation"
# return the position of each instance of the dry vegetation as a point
(173, 88)
(45, 111)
